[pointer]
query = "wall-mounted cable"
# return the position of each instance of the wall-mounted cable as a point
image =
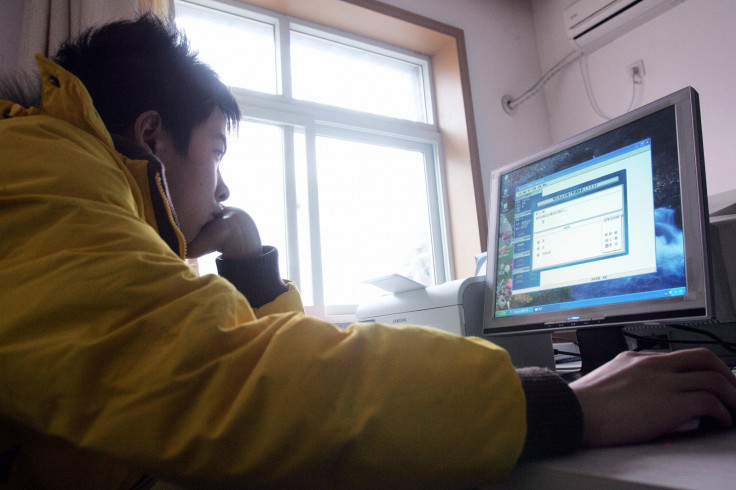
(510, 104)
(636, 71)
(637, 75)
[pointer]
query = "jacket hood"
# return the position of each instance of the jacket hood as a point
(64, 97)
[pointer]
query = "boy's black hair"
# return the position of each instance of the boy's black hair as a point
(130, 67)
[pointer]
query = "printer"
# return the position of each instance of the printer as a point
(454, 306)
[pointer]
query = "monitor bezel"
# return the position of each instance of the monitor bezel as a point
(696, 305)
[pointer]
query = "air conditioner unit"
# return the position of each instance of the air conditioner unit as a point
(591, 24)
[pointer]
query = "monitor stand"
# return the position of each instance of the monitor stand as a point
(599, 345)
(528, 350)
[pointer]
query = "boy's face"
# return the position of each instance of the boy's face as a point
(195, 185)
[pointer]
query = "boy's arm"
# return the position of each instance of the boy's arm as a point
(251, 267)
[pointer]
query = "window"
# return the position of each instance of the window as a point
(331, 72)
(249, 41)
(338, 156)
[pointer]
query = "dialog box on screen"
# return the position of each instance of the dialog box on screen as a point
(583, 223)
(579, 225)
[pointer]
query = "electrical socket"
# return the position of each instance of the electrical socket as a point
(636, 71)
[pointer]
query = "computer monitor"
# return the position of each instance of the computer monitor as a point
(606, 229)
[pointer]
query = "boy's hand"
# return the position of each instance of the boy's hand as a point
(233, 233)
(637, 397)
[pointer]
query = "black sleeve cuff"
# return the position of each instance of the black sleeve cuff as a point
(553, 413)
(257, 277)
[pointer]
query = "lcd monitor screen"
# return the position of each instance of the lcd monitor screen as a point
(606, 228)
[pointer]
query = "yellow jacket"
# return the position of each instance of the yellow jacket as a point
(114, 354)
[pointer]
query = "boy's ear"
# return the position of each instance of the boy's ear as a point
(149, 133)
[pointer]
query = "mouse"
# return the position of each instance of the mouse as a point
(689, 426)
(699, 424)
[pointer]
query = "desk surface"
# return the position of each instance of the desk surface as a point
(690, 461)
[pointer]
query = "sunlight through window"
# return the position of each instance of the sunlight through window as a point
(332, 73)
(344, 195)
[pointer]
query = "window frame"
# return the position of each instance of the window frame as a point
(317, 120)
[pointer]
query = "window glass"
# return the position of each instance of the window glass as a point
(303, 220)
(336, 74)
(374, 218)
(242, 51)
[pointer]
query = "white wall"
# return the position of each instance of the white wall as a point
(502, 59)
(693, 44)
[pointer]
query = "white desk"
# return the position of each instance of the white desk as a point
(692, 461)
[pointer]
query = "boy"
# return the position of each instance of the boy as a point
(118, 362)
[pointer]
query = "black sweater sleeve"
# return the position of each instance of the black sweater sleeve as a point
(554, 416)
(257, 277)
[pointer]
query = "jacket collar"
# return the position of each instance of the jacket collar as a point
(148, 171)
